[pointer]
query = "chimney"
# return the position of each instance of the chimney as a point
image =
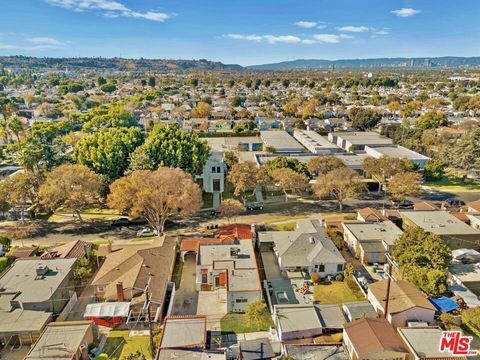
(120, 294)
(109, 247)
(84, 352)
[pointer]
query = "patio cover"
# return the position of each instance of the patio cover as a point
(107, 309)
(444, 304)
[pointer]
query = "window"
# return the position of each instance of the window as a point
(321, 268)
(204, 278)
(218, 169)
(213, 169)
(238, 301)
(339, 267)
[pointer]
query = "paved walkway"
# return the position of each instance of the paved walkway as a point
(186, 297)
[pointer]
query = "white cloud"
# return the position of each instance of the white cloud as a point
(306, 24)
(382, 32)
(45, 41)
(346, 37)
(111, 8)
(327, 38)
(355, 29)
(406, 12)
(272, 39)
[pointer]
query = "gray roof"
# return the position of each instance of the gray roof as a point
(294, 317)
(59, 342)
(256, 349)
(439, 222)
(22, 278)
(281, 141)
(359, 309)
(191, 328)
(385, 231)
(298, 248)
(397, 151)
(317, 352)
(188, 354)
(22, 321)
(423, 341)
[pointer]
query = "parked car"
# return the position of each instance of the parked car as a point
(454, 202)
(255, 206)
(121, 222)
(404, 204)
(145, 232)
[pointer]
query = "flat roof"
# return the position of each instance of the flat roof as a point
(21, 321)
(398, 151)
(59, 341)
(281, 141)
(385, 231)
(187, 354)
(22, 278)
(314, 139)
(424, 341)
(363, 138)
(230, 143)
(184, 331)
(439, 222)
(294, 317)
(465, 272)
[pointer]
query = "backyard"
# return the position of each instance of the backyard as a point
(336, 292)
(238, 323)
(119, 344)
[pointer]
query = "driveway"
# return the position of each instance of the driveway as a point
(272, 271)
(186, 297)
(214, 305)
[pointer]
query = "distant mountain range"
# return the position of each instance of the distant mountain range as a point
(318, 64)
(115, 64)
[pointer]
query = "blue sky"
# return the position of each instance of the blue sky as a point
(243, 32)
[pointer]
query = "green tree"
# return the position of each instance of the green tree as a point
(432, 120)
(101, 81)
(385, 167)
(172, 147)
(283, 162)
(257, 313)
(152, 82)
(107, 152)
(107, 117)
(464, 154)
(108, 88)
(6, 243)
(404, 184)
(363, 118)
(423, 258)
(434, 169)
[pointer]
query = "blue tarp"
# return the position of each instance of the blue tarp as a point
(443, 304)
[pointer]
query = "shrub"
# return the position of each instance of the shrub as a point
(336, 237)
(339, 277)
(315, 278)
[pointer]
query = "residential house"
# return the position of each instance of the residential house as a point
(76, 249)
(441, 223)
(300, 321)
(237, 231)
(308, 248)
(422, 343)
(371, 241)
(193, 330)
(367, 339)
(406, 302)
(256, 349)
(63, 341)
(474, 220)
(466, 275)
(212, 179)
(131, 267)
(232, 266)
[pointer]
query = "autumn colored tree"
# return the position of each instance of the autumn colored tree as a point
(156, 195)
(321, 165)
(383, 168)
(257, 313)
(404, 184)
(230, 208)
(245, 177)
(289, 180)
(341, 184)
(71, 187)
(202, 110)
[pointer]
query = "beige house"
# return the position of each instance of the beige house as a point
(406, 302)
(372, 339)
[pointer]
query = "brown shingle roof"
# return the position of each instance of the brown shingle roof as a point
(372, 336)
(403, 296)
(424, 205)
(474, 205)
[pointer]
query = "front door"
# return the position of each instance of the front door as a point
(217, 281)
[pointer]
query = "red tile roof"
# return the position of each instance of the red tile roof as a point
(238, 231)
(194, 244)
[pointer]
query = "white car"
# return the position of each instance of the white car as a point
(147, 232)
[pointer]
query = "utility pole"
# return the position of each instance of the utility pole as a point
(149, 318)
(389, 264)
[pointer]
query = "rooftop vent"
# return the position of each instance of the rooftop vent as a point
(311, 240)
(41, 270)
(234, 252)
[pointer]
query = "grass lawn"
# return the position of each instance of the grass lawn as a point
(451, 184)
(94, 213)
(238, 323)
(207, 199)
(336, 292)
(119, 344)
(290, 226)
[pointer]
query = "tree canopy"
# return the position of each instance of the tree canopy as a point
(283, 162)
(107, 152)
(363, 118)
(156, 195)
